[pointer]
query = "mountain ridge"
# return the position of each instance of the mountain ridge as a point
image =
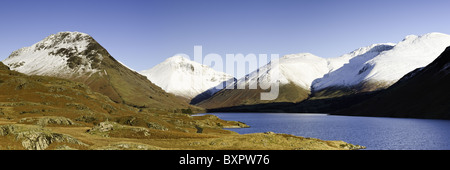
(388, 64)
(366, 69)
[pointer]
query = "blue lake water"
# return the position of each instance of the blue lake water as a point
(373, 132)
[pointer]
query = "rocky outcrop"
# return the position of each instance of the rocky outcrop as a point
(139, 121)
(104, 127)
(113, 129)
(51, 120)
(212, 121)
(36, 137)
(128, 146)
(153, 125)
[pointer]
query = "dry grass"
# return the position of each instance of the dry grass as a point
(212, 139)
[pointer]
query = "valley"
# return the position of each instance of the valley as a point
(61, 108)
(68, 92)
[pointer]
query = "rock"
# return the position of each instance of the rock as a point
(351, 146)
(236, 124)
(199, 129)
(44, 121)
(104, 127)
(211, 117)
(269, 133)
(34, 140)
(36, 137)
(243, 125)
(128, 146)
(108, 129)
(140, 130)
(156, 126)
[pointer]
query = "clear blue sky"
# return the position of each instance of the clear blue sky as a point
(144, 33)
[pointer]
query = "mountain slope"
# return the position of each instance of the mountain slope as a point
(423, 93)
(296, 73)
(34, 96)
(185, 78)
(77, 56)
(384, 64)
(353, 71)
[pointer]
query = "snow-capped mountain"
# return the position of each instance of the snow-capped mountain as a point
(365, 69)
(365, 52)
(294, 74)
(381, 65)
(422, 93)
(64, 55)
(77, 56)
(185, 78)
(300, 69)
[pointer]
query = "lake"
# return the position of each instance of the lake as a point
(373, 132)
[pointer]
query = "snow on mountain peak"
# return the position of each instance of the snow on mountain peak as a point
(63, 54)
(299, 55)
(178, 58)
(185, 78)
(374, 48)
(63, 40)
(408, 55)
(347, 69)
(410, 38)
(385, 63)
(300, 69)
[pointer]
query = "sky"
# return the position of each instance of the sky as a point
(143, 33)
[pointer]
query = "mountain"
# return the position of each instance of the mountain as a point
(348, 69)
(381, 65)
(185, 78)
(77, 56)
(296, 73)
(423, 93)
(366, 69)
